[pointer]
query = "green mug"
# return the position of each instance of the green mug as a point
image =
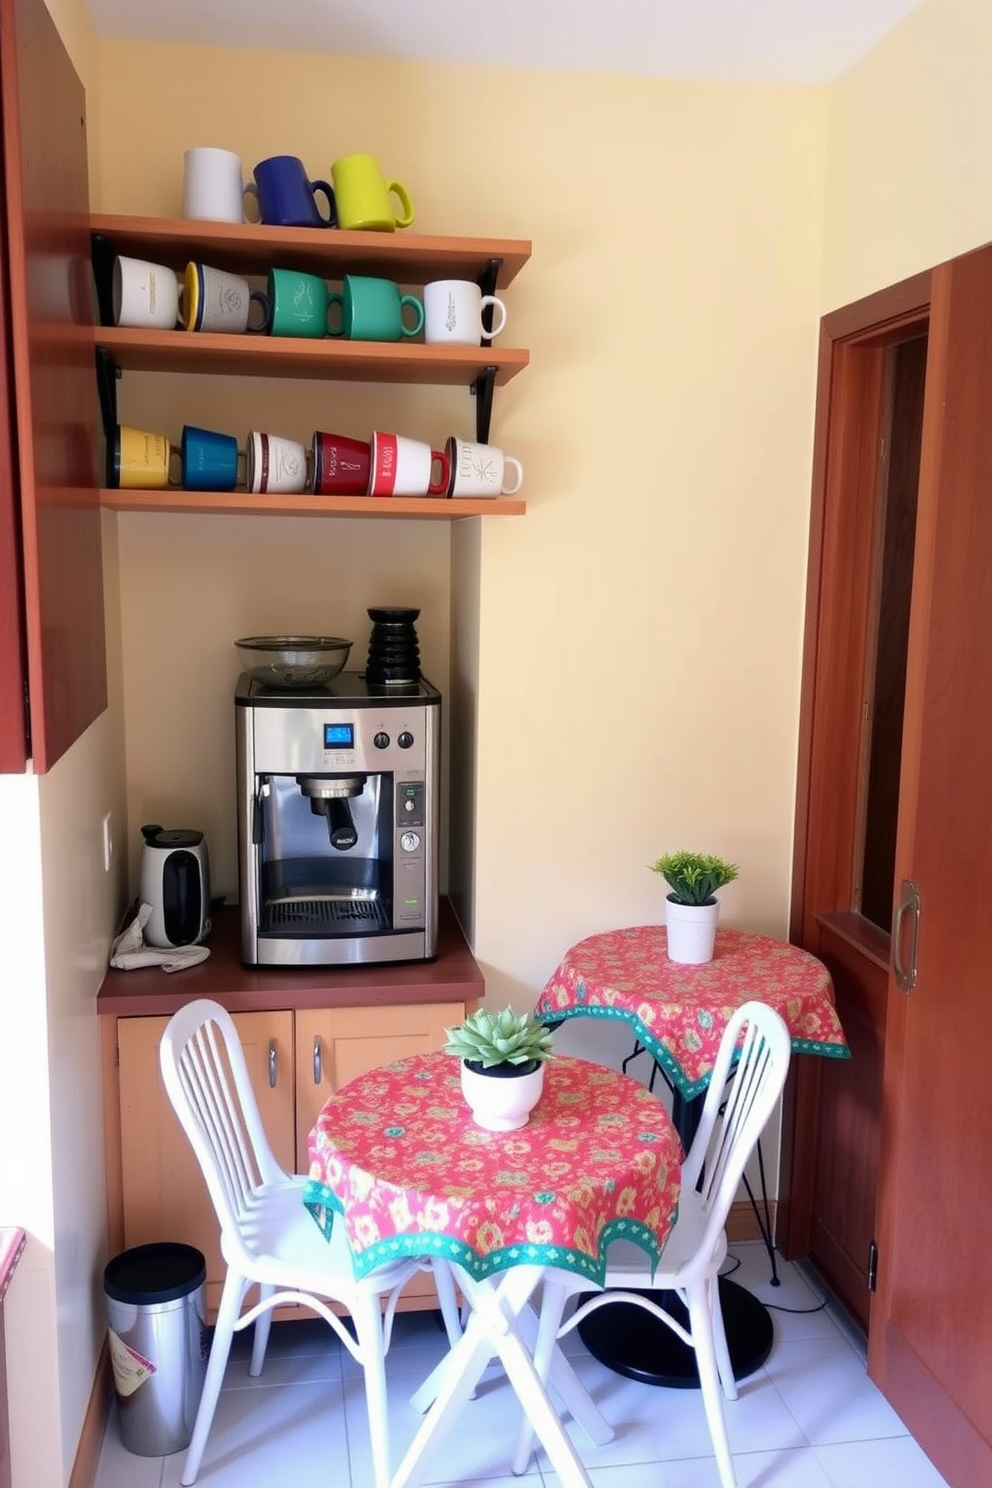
(294, 304)
(372, 310)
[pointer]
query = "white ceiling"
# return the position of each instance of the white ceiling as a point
(799, 41)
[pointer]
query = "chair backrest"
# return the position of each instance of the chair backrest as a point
(733, 1118)
(206, 1077)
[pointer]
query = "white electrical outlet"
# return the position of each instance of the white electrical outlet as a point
(108, 841)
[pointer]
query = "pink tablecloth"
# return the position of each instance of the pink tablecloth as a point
(397, 1153)
(679, 1012)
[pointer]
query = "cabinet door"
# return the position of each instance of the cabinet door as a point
(48, 485)
(164, 1195)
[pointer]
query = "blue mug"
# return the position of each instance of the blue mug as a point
(285, 195)
(209, 460)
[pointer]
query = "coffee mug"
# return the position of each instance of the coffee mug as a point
(137, 459)
(480, 469)
(372, 310)
(340, 466)
(295, 304)
(453, 313)
(363, 196)
(285, 196)
(405, 467)
(212, 185)
(145, 294)
(214, 300)
(275, 464)
(209, 460)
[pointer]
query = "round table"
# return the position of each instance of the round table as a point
(678, 1013)
(395, 1153)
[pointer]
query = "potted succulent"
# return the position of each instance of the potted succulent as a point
(503, 1056)
(691, 907)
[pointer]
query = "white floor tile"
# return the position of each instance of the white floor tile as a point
(796, 1468)
(118, 1468)
(827, 1389)
(870, 1464)
(797, 1310)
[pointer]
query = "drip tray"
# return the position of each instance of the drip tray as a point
(309, 916)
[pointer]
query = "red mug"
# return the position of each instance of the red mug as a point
(405, 467)
(340, 466)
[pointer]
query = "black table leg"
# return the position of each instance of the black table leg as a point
(631, 1342)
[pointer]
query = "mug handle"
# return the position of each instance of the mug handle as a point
(250, 189)
(440, 487)
(418, 311)
(175, 453)
(258, 298)
(331, 220)
(332, 301)
(508, 460)
(400, 191)
(492, 302)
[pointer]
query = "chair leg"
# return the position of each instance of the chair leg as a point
(367, 1318)
(232, 1297)
(448, 1299)
(262, 1326)
(701, 1326)
(723, 1364)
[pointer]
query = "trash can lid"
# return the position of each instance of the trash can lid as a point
(160, 1272)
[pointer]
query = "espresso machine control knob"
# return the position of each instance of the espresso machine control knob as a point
(381, 740)
(409, 842)
(405, 740)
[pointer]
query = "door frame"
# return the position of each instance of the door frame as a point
(851, 389)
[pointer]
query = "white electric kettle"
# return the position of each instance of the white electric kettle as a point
(175, 882)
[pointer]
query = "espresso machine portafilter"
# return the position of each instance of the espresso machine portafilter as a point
(329, 797)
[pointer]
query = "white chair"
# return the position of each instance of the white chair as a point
(267, 1236)
(697, 1244)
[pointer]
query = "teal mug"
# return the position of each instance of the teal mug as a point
(295, 304)
(374, 310)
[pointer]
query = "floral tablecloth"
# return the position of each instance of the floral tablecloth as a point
(679, 1012)
(396, 1152)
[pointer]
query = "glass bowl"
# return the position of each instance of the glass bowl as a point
(293, 662)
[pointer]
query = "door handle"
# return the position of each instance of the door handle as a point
(316, 1059)
(906, 925)
(273, 1071)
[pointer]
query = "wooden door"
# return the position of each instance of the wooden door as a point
(49, 512)
(869, 423)
(930, 1342)
(163, 1193)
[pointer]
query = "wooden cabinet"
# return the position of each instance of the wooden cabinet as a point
(296, 1060)
(52, 660)
(251, 250)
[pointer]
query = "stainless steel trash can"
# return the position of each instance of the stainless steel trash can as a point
(156, 1312)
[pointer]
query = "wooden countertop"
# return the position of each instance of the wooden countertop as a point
(453, 976)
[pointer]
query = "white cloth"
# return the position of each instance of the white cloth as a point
(129, 951)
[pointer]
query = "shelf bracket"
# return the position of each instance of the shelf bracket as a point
(107, 373)
(102, 255)
(487, 282)
(482, 388)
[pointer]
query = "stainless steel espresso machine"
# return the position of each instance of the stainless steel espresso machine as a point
(338, 822)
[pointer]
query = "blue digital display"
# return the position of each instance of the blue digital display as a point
(339, 736)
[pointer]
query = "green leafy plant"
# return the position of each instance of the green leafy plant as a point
(491, 1039)
(694, 877)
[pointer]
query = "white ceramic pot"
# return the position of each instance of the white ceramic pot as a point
(691, 931)
(501, 1102)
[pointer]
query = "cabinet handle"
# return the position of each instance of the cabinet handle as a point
(316, 1059)
(909, 906)
(273, 1074)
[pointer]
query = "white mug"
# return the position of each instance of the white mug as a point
(480, 469)
(145, 294)
(275, 464)
(453, 313)
(213, 188)
(405, 467)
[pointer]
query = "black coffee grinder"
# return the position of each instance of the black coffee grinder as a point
(394, 651)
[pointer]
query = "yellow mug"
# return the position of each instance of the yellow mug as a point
(363, 197)
(138, 459)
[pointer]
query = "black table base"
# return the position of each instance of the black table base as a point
(631, 1342)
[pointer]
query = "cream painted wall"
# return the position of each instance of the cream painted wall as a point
(909, 146)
